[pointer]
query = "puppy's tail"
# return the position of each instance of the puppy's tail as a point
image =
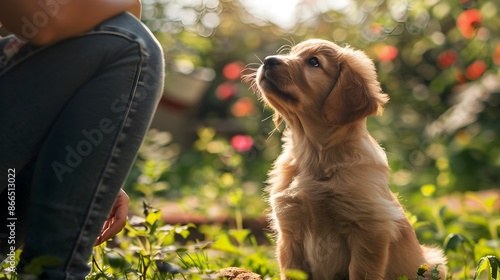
(435, 257)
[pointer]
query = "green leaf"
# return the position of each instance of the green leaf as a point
(495, 265)
(489, 263)
(153, 217)
(455, 241)
(239, 234)
(184, 232)
(435, 272)
(483, 264)
(223, 243)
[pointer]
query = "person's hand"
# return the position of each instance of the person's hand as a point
(117, 218)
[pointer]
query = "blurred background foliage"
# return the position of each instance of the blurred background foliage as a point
(438, 61)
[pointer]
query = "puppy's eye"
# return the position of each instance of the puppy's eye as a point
(313, 61)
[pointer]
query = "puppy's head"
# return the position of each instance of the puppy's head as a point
(319, 79)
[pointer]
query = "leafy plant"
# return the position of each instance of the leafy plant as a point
(489, 263)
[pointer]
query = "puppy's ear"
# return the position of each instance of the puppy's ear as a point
(356, 95)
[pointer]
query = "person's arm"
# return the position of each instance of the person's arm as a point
(136, 9)
(48, 21)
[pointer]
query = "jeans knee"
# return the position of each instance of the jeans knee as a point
(152, 60)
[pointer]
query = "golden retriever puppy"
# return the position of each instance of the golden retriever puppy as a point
(332, 210)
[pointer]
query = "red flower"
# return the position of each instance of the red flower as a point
(447, 58)
(468, 21)
(242, 143)
(475, 69)
(232, 70)
(243, 107)
(225, 91)
(387, 53)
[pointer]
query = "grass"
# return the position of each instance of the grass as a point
(150, 249)
(465, 225)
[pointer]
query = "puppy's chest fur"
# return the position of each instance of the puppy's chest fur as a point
(306, 209)
(305, 204)
(319, 205)
(326, 190)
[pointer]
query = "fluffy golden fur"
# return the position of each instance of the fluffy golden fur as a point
(332, 210)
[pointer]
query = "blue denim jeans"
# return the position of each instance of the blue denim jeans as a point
(72, 118)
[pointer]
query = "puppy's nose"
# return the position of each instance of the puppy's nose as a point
(271, 61)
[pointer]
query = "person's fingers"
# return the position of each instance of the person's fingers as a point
(99, 240)
(116, 220)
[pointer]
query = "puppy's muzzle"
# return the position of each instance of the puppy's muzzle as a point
(271, 67)
(271, 79)
(271, 62)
